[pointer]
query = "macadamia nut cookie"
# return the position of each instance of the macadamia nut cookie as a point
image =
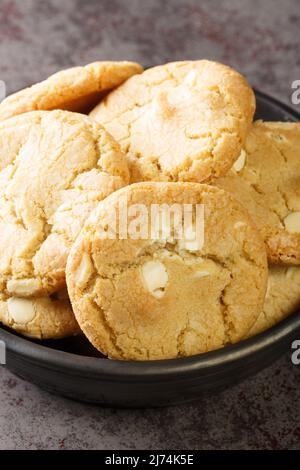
(75, 89)
(52, 175)
(182, 121)
(266, 181)
(40, 317)
(181, 292)
(282, 297)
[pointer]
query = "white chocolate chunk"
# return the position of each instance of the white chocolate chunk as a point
(155, 278)
(23, 287)
(159, 108)
(292, 222)
(84, 271)
(20, 310)
(239, 224)
(199, 274)
(240, 162)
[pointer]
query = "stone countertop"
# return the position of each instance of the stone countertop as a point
(259, 38)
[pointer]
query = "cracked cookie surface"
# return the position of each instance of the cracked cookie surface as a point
(48, 317)
(158, 298)
(282, 297)
(266, 181)
(75, 89)
(182, 121)
(55, 167)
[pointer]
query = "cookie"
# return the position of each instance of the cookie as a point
(266, 181)
(169, 295)
(75, 89)
(282, 297)
(40, 317)
(182, 121)
(52, 175)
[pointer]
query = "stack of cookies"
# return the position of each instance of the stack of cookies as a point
(92, 146)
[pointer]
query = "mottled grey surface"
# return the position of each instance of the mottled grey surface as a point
(261, 39)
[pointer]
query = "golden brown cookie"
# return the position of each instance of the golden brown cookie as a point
(266, 181)
(166, 296)
(75, 89)
(40, 317)
(182, 121)
(53, 174)
(282, 297)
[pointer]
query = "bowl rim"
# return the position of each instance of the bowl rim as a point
(154, 370)
(157, 370)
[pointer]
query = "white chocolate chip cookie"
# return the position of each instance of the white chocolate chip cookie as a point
(75, 89)
(55, 168)
(266, 181)
(164, 297)
(40, 317)
(282, 297)
(182, 121)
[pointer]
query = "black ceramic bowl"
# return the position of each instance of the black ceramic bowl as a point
(72, 368)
